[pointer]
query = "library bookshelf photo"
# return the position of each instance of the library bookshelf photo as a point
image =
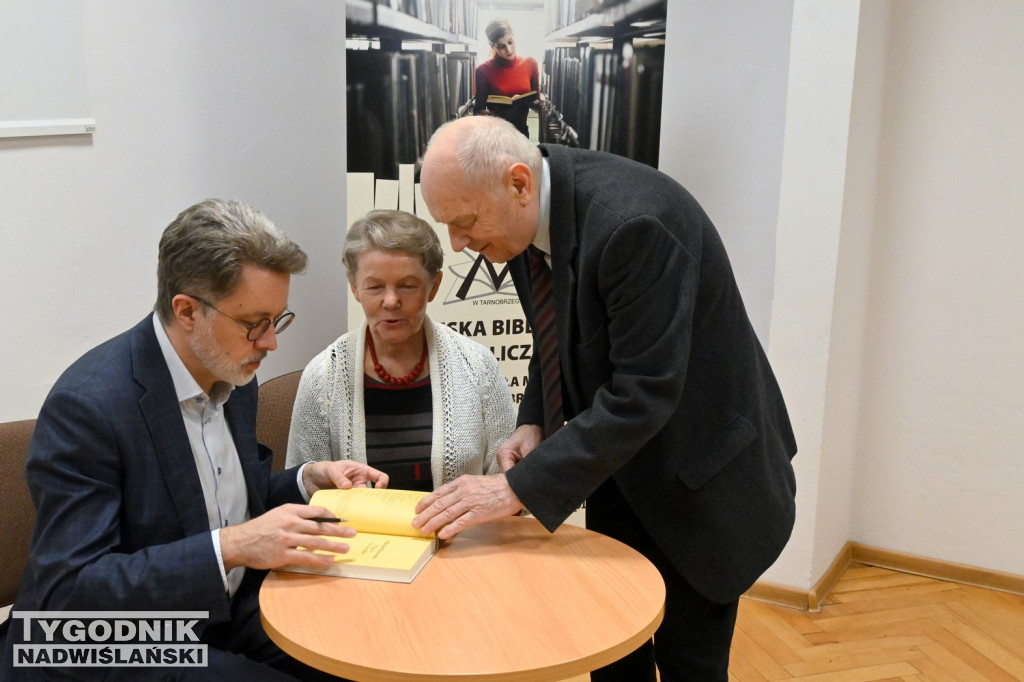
(412, 65)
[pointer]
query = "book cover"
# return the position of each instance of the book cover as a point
(386, 546)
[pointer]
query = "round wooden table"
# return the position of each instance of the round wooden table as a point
(500, 601)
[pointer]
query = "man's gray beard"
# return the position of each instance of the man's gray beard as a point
(215, 360)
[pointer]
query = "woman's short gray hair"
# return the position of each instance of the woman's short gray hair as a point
(393, 231)
(203, 250)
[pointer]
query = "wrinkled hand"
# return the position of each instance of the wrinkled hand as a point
(465, 502)
(342, 474)
(519, 444)
(273, 539)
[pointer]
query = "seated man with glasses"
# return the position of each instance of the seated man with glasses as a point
(151, 492)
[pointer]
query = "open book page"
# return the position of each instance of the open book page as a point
(384, 551)
(504, 99)
(374, 510)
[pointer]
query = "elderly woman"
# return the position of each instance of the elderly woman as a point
(409, 397)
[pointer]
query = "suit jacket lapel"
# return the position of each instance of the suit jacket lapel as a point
(170, 442)
(240, 411)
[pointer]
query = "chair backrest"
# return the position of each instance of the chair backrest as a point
(17, 515)
(274, 414)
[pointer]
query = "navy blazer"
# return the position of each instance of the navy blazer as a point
(121, 521)
(669, 390)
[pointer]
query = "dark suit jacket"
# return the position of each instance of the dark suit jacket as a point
(121, 522)
(669, 390)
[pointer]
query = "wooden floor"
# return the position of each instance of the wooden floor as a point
(884, 626)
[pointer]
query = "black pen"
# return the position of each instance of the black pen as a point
(327, 519)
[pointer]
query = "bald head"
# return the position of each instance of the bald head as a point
(476, 152)
(480, 177)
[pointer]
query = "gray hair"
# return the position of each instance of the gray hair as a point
(487, 148)
(393, 231)
(203, 250)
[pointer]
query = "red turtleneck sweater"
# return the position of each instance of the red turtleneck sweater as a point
(497, 76)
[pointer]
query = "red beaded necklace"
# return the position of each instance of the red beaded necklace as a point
(383, 373)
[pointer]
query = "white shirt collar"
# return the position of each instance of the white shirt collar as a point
(185, 385)
(542, 240)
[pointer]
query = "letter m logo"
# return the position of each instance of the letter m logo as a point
(496, 278)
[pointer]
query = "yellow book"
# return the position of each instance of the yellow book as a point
(503, 99)
(386, 546)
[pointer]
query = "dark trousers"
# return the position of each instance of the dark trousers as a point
(244, 651)
(693, 640)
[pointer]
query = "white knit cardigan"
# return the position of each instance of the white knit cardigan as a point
(473, 411)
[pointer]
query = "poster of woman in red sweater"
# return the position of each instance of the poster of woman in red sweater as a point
(583, 73)
(507, 84)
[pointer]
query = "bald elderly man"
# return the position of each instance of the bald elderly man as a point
(673, 429)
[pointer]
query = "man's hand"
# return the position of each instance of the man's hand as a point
(342, 474)
(465, 502)
(272, 540)
(519, 444)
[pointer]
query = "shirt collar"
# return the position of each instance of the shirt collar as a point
(542, 240)
(185, 386)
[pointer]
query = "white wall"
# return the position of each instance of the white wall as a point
(51, 32)
(895, 310)
(835, 510)
(241, 99)
(724, 110)
(814, 178)
(940, 468)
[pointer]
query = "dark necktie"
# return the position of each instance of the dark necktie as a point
(547, 341)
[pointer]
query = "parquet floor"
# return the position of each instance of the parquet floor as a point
(879, 625)
(884, 626)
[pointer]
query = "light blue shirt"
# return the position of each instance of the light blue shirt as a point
(213, 448)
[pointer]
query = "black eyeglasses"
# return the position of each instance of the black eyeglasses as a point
(255, 330)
